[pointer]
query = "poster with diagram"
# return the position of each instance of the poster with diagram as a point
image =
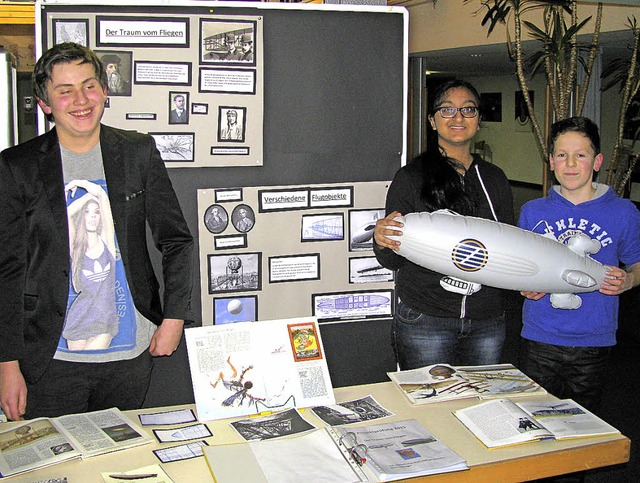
(276, 252)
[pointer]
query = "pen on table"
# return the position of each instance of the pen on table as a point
(358, 454)
(134, 477)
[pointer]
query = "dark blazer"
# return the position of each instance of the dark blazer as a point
(34, 240)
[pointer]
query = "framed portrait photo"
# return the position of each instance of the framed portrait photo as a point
(117, 65)
(232, 123)
(178, 108)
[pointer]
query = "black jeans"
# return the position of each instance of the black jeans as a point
(578, 373)
(78, 387)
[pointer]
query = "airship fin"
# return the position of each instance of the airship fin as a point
(565, 301)
(578, 278)
(583, 245)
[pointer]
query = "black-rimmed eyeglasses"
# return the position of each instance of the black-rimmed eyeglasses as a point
(466, 111)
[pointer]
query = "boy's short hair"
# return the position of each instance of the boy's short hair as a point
(579, 124)
(65, 52)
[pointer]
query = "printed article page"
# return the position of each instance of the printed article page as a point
(252, 367)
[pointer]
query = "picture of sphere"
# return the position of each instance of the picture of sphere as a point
(234, 307)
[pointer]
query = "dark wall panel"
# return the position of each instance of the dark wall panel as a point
(333, 113)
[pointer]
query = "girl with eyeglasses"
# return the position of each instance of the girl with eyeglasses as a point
(440, 319)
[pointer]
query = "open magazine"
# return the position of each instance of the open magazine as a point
(503, 422)
(442, 382)
(252, 367)
(47, 441)
(381, 452)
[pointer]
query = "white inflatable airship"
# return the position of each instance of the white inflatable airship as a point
(491, 253)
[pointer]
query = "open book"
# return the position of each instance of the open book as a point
(442, 382)
(380, 452)
(502, 422)
(47, 441)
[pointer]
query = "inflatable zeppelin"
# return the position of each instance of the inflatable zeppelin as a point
(473, 251)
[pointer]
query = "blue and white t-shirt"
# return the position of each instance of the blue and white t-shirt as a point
(612, 221)
(102, 323)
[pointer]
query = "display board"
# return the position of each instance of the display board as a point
(334, 112)
(283, 251)
(194, 83)
(192, 74)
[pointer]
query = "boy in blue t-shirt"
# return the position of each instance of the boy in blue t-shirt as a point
(567, 351)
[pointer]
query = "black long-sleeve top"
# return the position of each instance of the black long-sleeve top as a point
(419, 287)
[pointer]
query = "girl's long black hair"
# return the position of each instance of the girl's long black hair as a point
(443, 186)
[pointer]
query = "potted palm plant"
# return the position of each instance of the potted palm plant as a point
(560, 55)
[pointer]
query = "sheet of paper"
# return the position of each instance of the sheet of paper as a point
(195, 431)
(180, 416)
(253, 367)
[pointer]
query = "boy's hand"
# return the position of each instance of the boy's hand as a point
(618, 280)
(533, 295)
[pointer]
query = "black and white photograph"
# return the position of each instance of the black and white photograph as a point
(216, 219)
(283, 423)
(243, 218)
(238, 272)
(71, 30)
(334, 307)
(361, 226)
(348, 412)
(368, 270)
(225, 42)
(117, 65)
(174, 146)
(178, 108)
(327, 226)
(232, 124)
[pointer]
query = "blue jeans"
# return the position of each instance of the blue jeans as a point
(78, 387)
(422, 340)
(579, 373)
